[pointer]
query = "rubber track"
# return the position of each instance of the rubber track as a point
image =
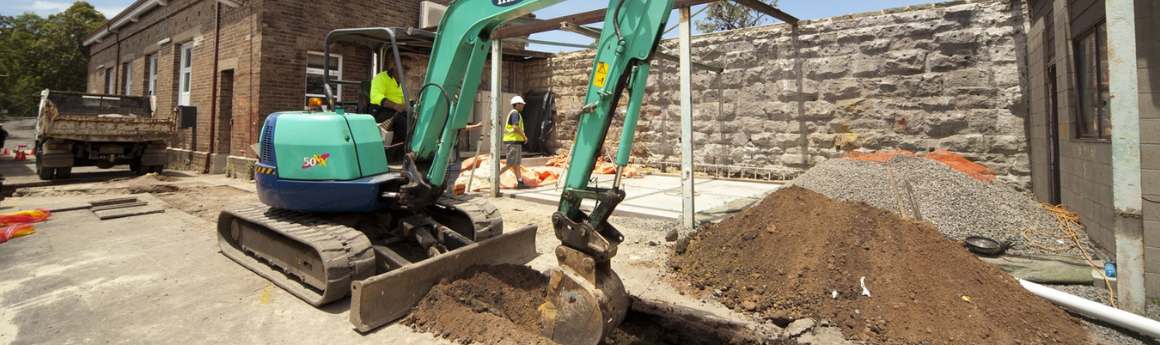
(484, 216)
(345, 252)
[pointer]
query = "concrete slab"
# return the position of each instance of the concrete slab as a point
(658, 196)
(82, 280)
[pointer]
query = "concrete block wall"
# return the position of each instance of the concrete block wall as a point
(1039, 104)
(1085, 167)
(1148, 62)
(920, 78)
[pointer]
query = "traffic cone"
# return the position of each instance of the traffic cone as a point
(20, 156)
(5, 151)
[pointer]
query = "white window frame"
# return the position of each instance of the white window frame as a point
(127, 80)
(110, 80)
(335, 74)
(152, 72)
(185, 73)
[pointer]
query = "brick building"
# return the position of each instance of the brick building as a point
(237, 61)
(1095, 127)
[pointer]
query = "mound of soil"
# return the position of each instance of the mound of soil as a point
(787, 256)
(485, 304)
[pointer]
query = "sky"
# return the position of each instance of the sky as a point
(802, 9)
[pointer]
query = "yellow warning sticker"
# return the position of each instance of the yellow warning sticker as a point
(601, 74)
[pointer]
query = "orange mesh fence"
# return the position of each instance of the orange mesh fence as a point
(977, 171)
(956, 162)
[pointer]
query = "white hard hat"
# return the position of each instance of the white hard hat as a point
(517, 100)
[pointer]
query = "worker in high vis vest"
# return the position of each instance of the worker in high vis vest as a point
(387, 102)
(514, 139)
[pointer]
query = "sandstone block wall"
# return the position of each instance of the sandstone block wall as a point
(942, 76)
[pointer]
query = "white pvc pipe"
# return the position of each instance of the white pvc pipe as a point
(1096, 310)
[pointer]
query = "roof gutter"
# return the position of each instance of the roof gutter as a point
(130, 17)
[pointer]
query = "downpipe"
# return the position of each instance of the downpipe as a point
(1121, 318)
(217, 38)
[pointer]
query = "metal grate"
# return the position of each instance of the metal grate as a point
(267, 140)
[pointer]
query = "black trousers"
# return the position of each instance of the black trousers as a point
(398, 126)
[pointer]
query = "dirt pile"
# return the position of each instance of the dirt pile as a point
(956, 203)
(486, 305)
(798, 254)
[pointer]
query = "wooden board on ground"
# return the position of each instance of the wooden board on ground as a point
(128, 212)
(68, 206)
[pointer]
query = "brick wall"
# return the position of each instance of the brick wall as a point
(262, 53)
(919, 78)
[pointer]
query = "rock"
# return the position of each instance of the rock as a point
(672, 235)
(798, 327)
(749, 305)
(781, 318)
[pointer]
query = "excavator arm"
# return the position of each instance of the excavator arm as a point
(586, 298)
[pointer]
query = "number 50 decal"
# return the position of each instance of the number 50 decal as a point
(309, 162)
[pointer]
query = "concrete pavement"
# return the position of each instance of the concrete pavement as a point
(659, 196)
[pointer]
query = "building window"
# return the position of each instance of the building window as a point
(185, 73)
(1093, 117)
(126, 78)
(110, 77)
(314, 70)
(151, 71)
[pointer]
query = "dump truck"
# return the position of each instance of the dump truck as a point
(81, 129)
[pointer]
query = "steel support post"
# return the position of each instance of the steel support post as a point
(687, 210)
(496, 95)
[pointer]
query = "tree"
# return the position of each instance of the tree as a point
(44, 53)
(729, 15)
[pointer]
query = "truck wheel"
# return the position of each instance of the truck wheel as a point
(63, 172)
(45, 173)
(139, 169)
(157, 169)
(42, 172)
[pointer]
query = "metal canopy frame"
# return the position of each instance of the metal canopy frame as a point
(575, 23)
(598, 15)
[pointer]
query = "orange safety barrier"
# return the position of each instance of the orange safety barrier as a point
(29, 216)
(16, 230)
(536, 176)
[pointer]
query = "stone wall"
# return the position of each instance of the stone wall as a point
(942, 76)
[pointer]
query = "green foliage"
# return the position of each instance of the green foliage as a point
(729, 15)
(44, 53)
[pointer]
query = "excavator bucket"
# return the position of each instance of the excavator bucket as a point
(387, 297)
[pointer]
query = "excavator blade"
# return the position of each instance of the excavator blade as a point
(387, 297)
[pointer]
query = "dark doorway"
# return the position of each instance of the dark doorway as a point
(1053, 133)
(225, 115)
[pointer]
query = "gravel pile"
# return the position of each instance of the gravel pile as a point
(957, 204)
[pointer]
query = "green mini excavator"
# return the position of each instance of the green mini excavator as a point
(336, 219)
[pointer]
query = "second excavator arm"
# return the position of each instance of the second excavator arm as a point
(586, 298)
